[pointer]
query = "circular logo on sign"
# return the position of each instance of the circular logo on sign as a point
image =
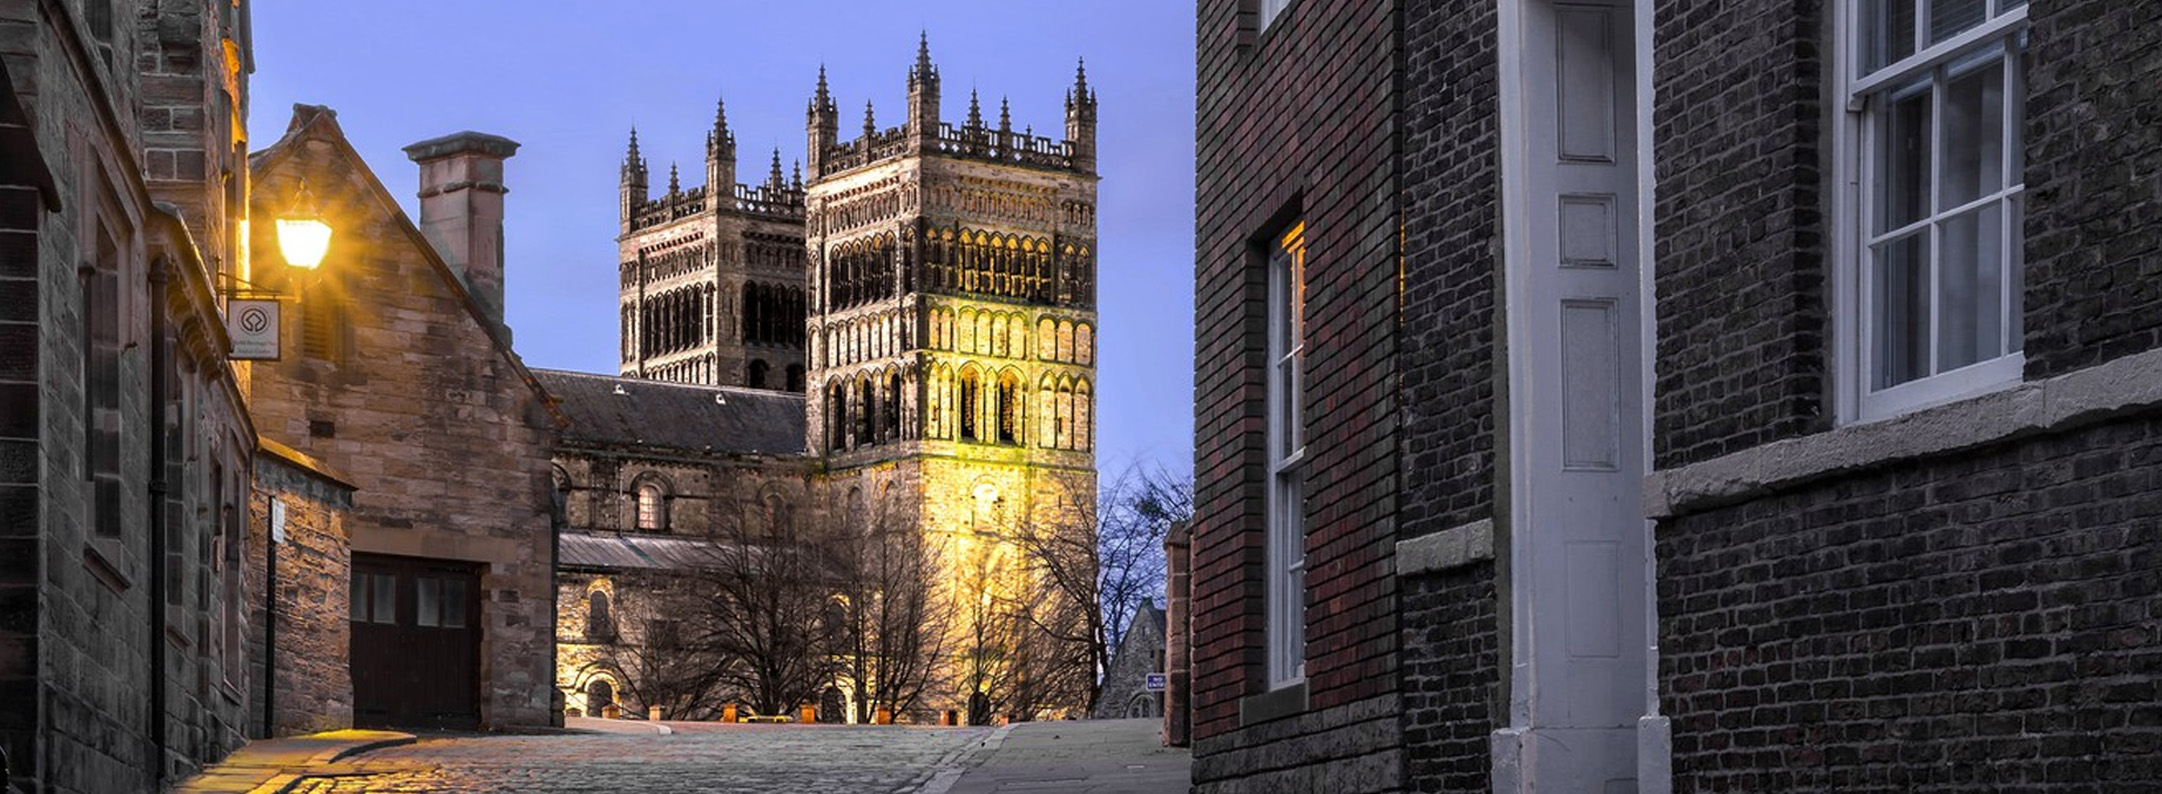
(254, 320)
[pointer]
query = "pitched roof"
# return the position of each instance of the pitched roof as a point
(605, 409)
(321, 123)
(633, 552)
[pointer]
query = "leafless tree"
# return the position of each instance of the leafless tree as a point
(763, 604)
(896, 630)
(1102, 561)
(649, 654)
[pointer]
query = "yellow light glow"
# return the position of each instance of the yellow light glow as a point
(304, 241)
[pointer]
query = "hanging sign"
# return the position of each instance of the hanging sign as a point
(253, 326)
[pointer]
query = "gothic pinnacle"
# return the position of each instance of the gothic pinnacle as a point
(775, 177)
(796, 181)
(630, 158)
(975, 110)
(870, 123)
(674, 186)
(923, 57)
(1005, 115)
(720, 120)
(824, 98)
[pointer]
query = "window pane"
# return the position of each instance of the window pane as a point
(1973, 155)
(1901, 322)
(1970, 297)
(356, 606)
(428, 609)
(454, 603)
(2016, 268)
(1903, 158)
(383, 591)
(1888, 32)
(1948, 17)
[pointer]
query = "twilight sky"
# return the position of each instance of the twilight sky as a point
(568, 78)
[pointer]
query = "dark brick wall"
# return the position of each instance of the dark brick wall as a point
(1452, 221)
(1452, 679)
(1984, 622)
(1296, 117)
(1740, 257)
(20, 551)
(2094, 183)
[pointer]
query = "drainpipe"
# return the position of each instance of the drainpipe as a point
(270, 617)
(160, 360)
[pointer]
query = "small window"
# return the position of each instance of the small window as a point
(600, 621)
(652, 507)
(374, 598)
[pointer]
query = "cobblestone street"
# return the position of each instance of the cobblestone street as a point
(823, 760)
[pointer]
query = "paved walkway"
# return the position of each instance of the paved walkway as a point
(635, 756)
(1093, 757)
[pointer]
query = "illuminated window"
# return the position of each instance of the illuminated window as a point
(1286, 547)
(1936, 267)
(652, 507)
(968, 405)
(1009, 410)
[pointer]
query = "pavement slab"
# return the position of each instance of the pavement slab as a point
(1091, 757)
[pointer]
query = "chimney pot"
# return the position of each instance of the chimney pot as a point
(461, 209)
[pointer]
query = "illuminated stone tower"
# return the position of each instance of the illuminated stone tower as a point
(712, 277)
(952, 283)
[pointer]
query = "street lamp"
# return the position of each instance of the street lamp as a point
(303, 237)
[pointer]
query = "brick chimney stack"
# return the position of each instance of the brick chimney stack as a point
(461, 208)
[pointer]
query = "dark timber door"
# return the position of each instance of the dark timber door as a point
(416, 643)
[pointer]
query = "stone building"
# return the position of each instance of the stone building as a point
(1857, 381)
(649, 475)
(934, 286)
(399, 376)
(1140, 654)
(125, 445)
(299, 640)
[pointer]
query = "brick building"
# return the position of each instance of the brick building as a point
(125, 447)
(399, 376)
(1886, 417)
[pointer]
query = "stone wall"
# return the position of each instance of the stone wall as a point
(119, 660)
(1452, 678)
(310, 683)
(1296, 123)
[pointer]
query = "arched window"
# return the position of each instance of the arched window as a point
(600, 619)
(1065, 416)
(780, 518)
(599, 694)
(968, 405)
(757, 377)
(837, 417)
(866, 411)
(1082, 429)
(1009, 409)
(560, 506)
(1047, 414)
(652, 507)
(1084, 343)
(892, 414)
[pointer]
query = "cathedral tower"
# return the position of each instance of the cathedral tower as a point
(952, 276)
(712, 277)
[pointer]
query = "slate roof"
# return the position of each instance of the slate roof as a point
(634, 552)
(611, 410)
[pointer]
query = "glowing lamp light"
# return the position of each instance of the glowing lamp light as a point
(303, 237)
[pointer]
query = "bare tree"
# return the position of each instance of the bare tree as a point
(1104, 560)
(763, 606)
(896, 633)
(649, 654)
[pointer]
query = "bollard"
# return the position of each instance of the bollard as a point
(611, 712)
(884, 716)
(728, 713)
(808, 715)
(654, 713)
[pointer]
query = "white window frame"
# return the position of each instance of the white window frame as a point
(1854, 229)
(1286, 453)
(1269, 11)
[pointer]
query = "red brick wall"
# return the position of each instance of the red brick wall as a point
(1296, 121)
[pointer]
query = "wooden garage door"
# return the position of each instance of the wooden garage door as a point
(416, 643)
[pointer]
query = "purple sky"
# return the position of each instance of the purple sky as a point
(567, 79)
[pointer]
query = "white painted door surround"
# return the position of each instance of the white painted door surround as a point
(1574, 199)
